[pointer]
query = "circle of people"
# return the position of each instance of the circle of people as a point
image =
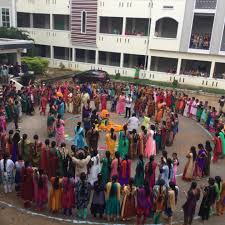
(74, 173)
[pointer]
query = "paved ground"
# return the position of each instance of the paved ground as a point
(189, 134)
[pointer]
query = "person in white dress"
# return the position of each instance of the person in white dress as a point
(6, 169)
(186, 108)
(95, 168)
(194, 107)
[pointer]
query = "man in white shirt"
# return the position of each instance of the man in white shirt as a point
(133, 123)
(128, 106)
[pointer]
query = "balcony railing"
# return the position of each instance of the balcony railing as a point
(205, 4)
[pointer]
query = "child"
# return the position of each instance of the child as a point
(175, 165)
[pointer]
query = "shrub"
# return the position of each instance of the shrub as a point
(117, 76)
(37, 64)
(61, 66)
(175, 83)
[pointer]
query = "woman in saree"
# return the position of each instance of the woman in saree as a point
(139, 175)
(160, 111)
(110, 140)
(120, 108)
(79, 140)
(123, 146)
(76, 103)
(190, 165)
(200, 164)
(51, 125)
(106, 168)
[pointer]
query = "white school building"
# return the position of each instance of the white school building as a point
(167, 39)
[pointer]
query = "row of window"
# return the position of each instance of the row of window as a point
(5, 17)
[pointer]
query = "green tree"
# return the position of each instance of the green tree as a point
(37, 64)
(14, 33)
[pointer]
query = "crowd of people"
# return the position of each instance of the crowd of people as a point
(76, 171)
(195, 72)
(200, 41)
(12, 69)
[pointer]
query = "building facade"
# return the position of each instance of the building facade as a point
(167, 39)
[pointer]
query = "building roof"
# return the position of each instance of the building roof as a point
(15, 44)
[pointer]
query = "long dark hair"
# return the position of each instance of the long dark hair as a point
(98, 184)
(10, 136)
(56, 183)
(208, 146)
(5, 158)
(112, 133)
(107, 154)
(23, 141)
(173, 187)
(131, 182)
(117, 155)
(193, 151)
(150, 169)
(113, 187)
(218, 180)
(124, 134)
(40, 179)
(147, 189)
(169, 163)
(58, 120)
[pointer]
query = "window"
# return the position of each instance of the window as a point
(5, 17)
(83, 22)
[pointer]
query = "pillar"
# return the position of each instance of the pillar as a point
(73, 54)
(14, 14)
(149, 63)
(124, 26)
(51, 52)
(107, 58)
(65, 23)
(178, 66)
(51, 21)
(110, 29)
(156, 63)
(212, 69)
(18, 57)
(31, 20)
(130, 63)
(96, 57)
(85, 56)
(121, 59)
(133, 25)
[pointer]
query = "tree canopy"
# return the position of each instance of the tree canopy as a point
(14, 33)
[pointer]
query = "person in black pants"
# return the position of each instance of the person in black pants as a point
(128, 106)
